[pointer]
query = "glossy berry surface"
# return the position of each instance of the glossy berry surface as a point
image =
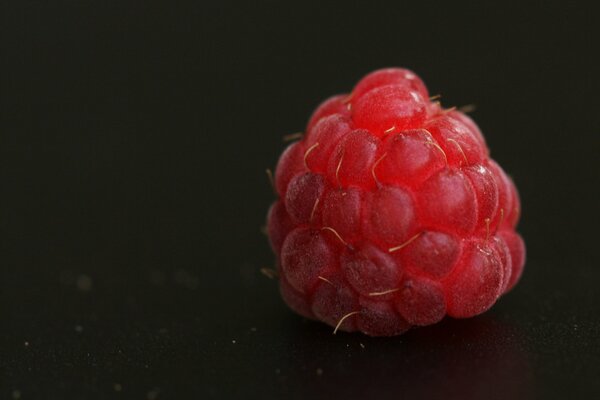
(391, 213)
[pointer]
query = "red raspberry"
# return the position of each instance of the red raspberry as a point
(391, 213)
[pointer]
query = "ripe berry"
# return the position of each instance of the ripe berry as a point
(391, 213)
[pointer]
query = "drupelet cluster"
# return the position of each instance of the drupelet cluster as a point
(391, 213)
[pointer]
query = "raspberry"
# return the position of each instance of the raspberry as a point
(391, 214)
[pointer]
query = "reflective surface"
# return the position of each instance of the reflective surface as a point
(133, 147)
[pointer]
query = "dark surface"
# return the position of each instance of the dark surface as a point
(133, 145)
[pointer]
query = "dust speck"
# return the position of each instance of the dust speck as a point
(16, 394)
(319, 371)
(157, 277)
(78, 328)
(84, 283)
(186, 279)
(152, 394)
(118, 387)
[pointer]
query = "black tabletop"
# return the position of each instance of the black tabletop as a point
(133, 146)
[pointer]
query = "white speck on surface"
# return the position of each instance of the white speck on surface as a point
(16, 394)
(26, 344)
(319, 371)
(186, 279)
(157, 277)
(153, 394)
(84, 283)
(233, 341)
(78, 328)
(118, 387)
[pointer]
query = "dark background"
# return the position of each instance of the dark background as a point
(133, 143)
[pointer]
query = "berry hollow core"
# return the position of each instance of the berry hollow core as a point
(391, 213)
